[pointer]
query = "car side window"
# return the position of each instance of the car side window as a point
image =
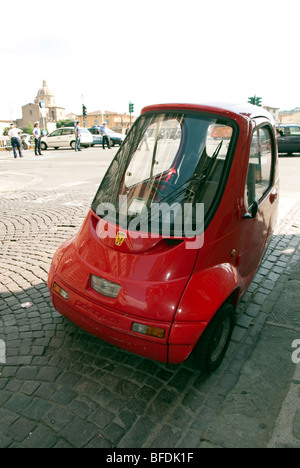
(67, 131)
(295, 131)
(56, 133)
(260, 170)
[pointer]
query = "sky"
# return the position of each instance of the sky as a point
(107, 53)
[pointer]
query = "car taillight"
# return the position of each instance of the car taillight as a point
(105, 287)
(64, 294)
(148, 330)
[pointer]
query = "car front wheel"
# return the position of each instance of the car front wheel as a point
(43, 146)
(212, 346)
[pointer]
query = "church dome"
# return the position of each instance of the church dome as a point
(44, 94)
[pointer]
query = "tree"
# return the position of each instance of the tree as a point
(65, 123)
(28, 129)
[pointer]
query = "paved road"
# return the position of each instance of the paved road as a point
(61, 387)
(54, 170)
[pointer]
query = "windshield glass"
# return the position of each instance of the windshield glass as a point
(168, 161)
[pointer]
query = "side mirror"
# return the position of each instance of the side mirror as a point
(253, 210)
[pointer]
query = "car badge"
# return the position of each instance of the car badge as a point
(121, 236)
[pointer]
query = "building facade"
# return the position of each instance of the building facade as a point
(274, 111)
(46, 117)
(290, 117)
(115, 121)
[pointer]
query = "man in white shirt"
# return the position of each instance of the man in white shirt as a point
(14, 135)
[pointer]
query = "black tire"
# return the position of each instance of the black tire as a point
(212, 346)
(43, 146)
(72, 144)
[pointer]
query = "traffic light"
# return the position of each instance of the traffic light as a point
(84, 110)
(258, 101)
(131, 107)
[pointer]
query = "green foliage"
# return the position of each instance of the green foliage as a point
(27, 129)
(65, 123)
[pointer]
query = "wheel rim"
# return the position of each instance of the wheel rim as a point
(221, 338)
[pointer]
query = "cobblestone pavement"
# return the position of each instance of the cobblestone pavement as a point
(61, 387)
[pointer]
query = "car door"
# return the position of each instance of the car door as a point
(54, 139)
(67, 135)
(294, 138)
(259, 213)
(289, 139)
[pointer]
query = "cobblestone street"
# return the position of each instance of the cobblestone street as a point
(61, 387)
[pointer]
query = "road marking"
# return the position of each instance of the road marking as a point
(72, 184)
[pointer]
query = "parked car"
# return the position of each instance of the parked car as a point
(114, 137)
(175, 234)
(65, 137)
(288, 138)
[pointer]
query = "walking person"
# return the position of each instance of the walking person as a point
(37, 139)
(105, 138)
(14, 135)
(77, 134)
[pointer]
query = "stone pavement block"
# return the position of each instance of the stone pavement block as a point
(101, 417)
(41, 437)
(138, 434)
(36, 409)
(21, 429)
(58, 417)
(167, 437)
(78, 433)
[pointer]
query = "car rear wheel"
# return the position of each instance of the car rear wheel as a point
(73, 144)
(212, 346)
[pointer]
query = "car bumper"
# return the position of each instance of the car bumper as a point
(108, 325)
(116, 328)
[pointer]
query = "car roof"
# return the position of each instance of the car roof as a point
(288, 125)
(72, 128)
(248, 111)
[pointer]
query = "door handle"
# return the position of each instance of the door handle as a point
(273, 196)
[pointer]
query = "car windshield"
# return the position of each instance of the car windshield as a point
(169, 160)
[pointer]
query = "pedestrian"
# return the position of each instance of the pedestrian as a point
(14, 135)
(105, 138)
(37, 139)
(78, 135)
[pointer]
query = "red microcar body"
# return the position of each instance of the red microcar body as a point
(175, 234)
